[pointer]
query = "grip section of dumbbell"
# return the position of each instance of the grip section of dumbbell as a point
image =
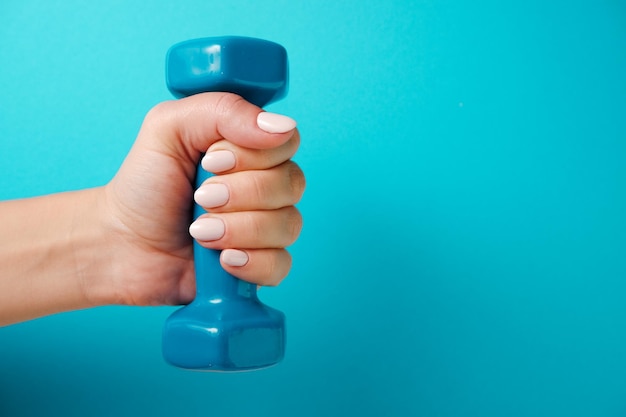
(212, 281)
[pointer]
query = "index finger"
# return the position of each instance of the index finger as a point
(224, 157)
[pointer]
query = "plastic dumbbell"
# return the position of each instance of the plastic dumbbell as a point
(226, 327)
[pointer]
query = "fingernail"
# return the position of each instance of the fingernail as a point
(218, 161)
(275, 123)
(211, 195)
(207, 229)
(234, 257)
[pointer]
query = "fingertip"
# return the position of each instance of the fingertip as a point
(219, 161)
(234, 257)
(275, 123)
(267, 267)
(247, 125)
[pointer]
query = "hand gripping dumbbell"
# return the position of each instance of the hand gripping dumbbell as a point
(226, 327)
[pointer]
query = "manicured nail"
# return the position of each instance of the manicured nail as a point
(211, 195)
(234, 257)
(275, 123)
(207, 229)
(218, 161)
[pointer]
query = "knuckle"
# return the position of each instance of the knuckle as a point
(297, 181)
(293, 144)
(293, 223)
(269, 272)
(276, 268)
(228, 103)
(160, 114)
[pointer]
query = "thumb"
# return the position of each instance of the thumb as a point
(190, 125)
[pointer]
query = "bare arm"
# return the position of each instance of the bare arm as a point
(129, 242)
(52, 256)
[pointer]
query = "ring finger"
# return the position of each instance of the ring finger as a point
(248, 229)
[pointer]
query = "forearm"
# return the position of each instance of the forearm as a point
(52, 257)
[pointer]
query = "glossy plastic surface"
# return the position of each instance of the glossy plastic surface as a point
(255, 69)
(226, 327)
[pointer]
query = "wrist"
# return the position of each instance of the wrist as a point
(93, 250)
(52, 255)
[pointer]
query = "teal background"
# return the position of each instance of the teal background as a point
(464, 249)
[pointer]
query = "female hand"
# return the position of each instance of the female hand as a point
(129, 242)
(146, 208)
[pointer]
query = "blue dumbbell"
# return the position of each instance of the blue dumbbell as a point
(226, 327)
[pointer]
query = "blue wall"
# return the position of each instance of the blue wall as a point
(464, 250)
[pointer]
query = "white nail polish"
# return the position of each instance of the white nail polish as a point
(234, 257)
(275, 123)
(218, 161)
(211, 195)
(207, 229)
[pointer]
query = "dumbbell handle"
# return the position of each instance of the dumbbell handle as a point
(213, 283)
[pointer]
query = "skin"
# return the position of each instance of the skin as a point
(128, 241)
